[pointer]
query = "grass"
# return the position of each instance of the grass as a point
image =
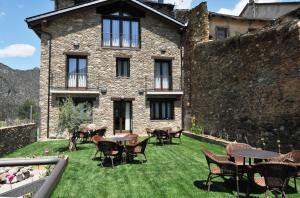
(171, 171)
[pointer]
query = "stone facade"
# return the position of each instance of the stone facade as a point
(13, 138)
(246, 88)
(85, 28)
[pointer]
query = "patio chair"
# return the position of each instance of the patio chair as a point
(292, 157)
(136, 149)
(161, 136)
(101, 132)
(274, 176)
(96, 139)
(133, 139)
(84, 135)
(234, 146)
(222, 167)
(177, 135)
(110, 150)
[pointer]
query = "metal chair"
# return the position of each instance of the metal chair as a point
(177, 135)
(96, 139)
(274, 176)
(234, 146)
(161, 136)
(223, 167)
(133, 138)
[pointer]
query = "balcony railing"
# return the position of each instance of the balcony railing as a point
(163, 83)
(74, 81)
(120, 40)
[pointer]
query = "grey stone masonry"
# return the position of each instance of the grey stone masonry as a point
(84, 28)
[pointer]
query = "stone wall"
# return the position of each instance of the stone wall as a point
(85, 27)
(15, 137)
(248, 88)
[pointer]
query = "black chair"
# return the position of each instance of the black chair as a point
(162, 136)
(110, 150)
(139, 148)
(101, 132)
(274, 176)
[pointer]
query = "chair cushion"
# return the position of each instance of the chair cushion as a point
(260, 181)
(215, 170)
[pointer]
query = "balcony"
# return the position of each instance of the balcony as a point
(76, 83)
(163, 85)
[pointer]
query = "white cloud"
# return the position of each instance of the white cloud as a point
(241, 4)
(180, 4)
(2, 13)
(17, 50)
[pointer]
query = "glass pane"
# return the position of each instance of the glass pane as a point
(135, 34)
(119, 69)
(106, 32)
(157, 80)
(169, 110)
(165, 75)
(116, 33)
(156, 110)
(82, 64)
(126, 34)
(125, 68)
(163, 110)
(72, 72)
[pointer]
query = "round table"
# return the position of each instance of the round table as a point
(254, 153)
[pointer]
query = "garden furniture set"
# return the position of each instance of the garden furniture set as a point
(269, 170)
(164, 135)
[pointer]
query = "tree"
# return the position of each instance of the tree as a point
(71, 117)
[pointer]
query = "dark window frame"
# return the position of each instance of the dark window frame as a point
(153, 110)
(121, 74)
(220, 28)
(77, 57)
(121, 18)
(170, 62)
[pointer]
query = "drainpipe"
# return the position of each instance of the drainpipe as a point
(181, 81)
(49, 74)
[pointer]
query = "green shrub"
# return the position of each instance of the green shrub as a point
(196, 128)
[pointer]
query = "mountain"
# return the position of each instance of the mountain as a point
(17, 86)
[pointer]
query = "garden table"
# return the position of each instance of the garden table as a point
(254, 153)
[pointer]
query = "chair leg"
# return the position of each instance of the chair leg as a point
(112, 162)
(208, 182)
(237, 186)
(180, 141)
(96, 154)
(295, 184)
(145, 157)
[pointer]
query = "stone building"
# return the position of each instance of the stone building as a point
(124, 58)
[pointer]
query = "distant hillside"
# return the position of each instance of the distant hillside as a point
(16, 86)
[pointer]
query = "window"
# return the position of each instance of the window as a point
(162, 110)
(120, 30)
(221, 33)
(77, 72)
(162, 75)
(123, 67)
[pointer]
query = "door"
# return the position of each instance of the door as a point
(122, 117)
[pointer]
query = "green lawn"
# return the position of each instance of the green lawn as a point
(171, 171)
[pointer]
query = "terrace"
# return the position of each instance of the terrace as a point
(172, 170)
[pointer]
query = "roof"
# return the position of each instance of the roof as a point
(213, 14)
(270, 3)
(50, 15)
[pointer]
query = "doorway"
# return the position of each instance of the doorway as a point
(122, 117)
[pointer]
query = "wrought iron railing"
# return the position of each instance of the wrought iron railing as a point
(120, 40)
(163, 83)
(60, 80)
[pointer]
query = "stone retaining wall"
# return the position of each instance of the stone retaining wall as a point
(15, 137)
(247, 88)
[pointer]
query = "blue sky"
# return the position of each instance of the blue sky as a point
(14, 33)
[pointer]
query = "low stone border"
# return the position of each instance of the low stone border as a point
(207, 138)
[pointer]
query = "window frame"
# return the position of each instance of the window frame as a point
(77, 57)
(170, 64)
(121, 18)
(166, 101)
(218, 28)
(122, 69)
